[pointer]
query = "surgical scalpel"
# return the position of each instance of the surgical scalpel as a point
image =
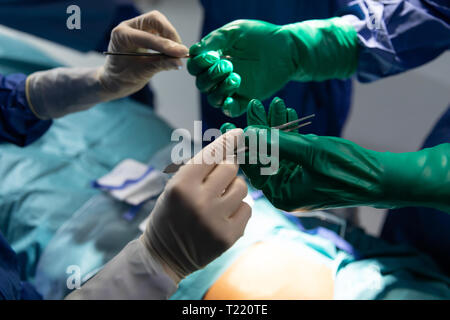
(173, 167)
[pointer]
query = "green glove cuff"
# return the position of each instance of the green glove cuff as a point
(323, 49)
(418, 178)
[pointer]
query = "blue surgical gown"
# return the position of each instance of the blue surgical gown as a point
(11, 286)
(394, 36)
(18, 124)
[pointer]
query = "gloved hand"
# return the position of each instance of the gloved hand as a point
(201, 212)
(199, 215)
(57, 92)
(326, 172)
(267, 56)
(256, 115)
(123, 76)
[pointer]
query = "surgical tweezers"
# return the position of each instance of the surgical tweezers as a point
(150, 55)
(286, 127)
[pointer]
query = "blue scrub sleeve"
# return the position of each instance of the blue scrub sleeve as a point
(11, 286)
(398, 35)
(18, 124)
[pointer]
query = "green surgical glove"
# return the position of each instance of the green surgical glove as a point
(264, 57)
(327, 172)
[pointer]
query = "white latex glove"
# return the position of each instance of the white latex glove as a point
(200, 214)
(57, 92)
(123, 75)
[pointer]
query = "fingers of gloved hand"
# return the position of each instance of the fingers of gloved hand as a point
(216, 40)
(292, 116)
(274, 188)
(235, 106)
(240, 219)
(256, 114)
(294, 147)
(126, 38)
(200, 166)
(277, 112)
(221, 177)
(234, 194)
(210, 78)
(202, 62)
(248, 163)
(230, 229)
(159, 63)
(227, 126)
(226, 88)
(253, 173)
(155, 22)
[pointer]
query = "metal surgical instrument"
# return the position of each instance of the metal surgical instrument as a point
(151, 54)
(173, 167)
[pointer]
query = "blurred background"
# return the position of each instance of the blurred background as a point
(393, 114)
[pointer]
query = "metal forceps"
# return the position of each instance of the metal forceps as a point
(286, 127)
(151, 55)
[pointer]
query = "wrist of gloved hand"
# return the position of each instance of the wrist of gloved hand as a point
(323, 49)
(57, 92)
(333, 172)
(417, 178)
(167, 267)
(133, 274)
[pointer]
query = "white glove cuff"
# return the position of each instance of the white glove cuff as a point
(58, 92)
(132, 274)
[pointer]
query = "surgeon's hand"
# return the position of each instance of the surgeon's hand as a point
(201, 212)
(264, 57)
(57, 92)
(125, 75)
(326, 172)
(199, 215)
